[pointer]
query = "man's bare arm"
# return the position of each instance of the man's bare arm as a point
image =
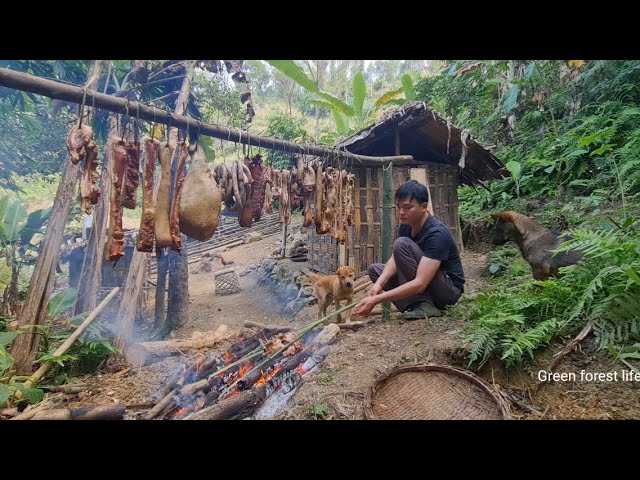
(388, 272)
(427, 269)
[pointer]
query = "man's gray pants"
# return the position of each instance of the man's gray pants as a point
(407, 255)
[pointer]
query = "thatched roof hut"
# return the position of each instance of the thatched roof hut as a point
(430, 139)
(445, 157)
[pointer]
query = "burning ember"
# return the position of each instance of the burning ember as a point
(235, 383)
(265, 378)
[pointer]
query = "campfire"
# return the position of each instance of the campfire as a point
(234, 384)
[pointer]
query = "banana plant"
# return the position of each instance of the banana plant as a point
(347, 117)
(8, 382)
(393, 97)
(344, 116)
(17, 229)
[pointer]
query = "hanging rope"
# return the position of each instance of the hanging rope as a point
(153, 124)
(126, 106)
(93, 109)
(198, 133)
(81, 107)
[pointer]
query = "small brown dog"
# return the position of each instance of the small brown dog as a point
(535, 242)
(334, 288)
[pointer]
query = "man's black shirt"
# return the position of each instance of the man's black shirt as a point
(436, 242)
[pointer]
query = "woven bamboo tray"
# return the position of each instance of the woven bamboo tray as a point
(433, 392)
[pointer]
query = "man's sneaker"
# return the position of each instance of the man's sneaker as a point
(421, 311)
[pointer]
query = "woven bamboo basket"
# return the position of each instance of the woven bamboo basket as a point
(227, 282)
(433, 392)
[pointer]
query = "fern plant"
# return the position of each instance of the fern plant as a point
(521, 315)
(611, 298)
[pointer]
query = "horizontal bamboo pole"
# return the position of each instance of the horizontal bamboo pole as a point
(70, 93)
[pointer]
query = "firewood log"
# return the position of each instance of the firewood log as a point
(111, 412)
(150, 352)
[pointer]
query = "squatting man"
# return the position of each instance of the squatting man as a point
(424, 275)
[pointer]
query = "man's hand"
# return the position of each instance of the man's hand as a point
(365, 306)
(374, 290)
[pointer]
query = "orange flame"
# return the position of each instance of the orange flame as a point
(264, 379)
(244, 368)
(301, 370)
(228, 357)
(233, 392)
(181, 412)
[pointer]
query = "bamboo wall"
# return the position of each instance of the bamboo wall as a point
(364, 244)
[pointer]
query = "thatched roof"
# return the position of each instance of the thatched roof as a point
(429, 138)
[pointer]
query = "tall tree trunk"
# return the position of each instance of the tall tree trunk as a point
(162, 262)
(34, 312)
(178, 308)
(176, 263)
(136, 277)
(129, 301)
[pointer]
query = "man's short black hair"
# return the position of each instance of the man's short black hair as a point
(412, 189)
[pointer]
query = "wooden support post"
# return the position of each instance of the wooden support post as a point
(387, 218)
(34, 311)
(284, 241)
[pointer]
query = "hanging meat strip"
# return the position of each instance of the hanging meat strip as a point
(224, 178)
(308, 186)
(341, 229)
(319, 213)
(183, 154)
(325, 224)
(285, 205)
(89, 190)
(331, 189)
(220, 174)
(148, 218)
(350, 209)
(163, 232)
(132, 176)
(268, 188)
(115, 241)
(77, 141)
(246, 186)
(257, 169)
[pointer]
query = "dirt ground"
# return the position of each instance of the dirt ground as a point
(337, 388)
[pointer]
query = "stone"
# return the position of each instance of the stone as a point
(268, 265)
(252, 237)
